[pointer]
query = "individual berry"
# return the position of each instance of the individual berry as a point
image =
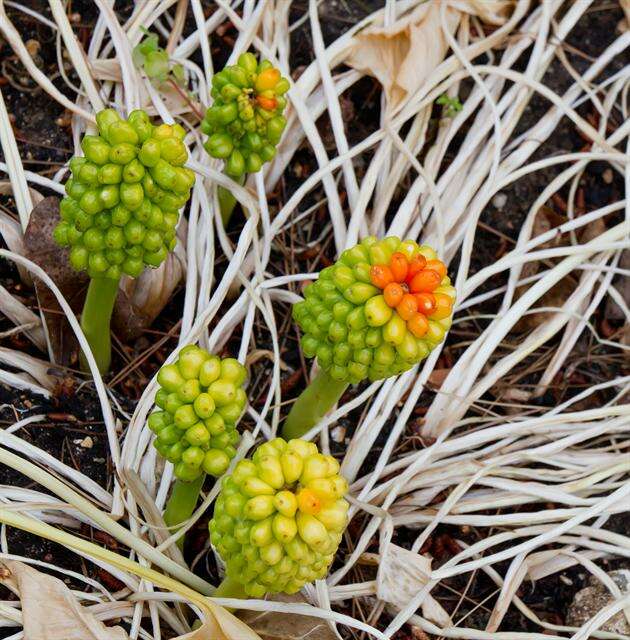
(245, 122)
(279, 517)
(201, 398)
(124, 195)
(379, 310)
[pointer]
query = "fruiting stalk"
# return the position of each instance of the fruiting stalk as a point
(95, 319)
(182, 503)
(227, 203)
(121, 210)
(313, 404)
(377, 312)
(200, 400)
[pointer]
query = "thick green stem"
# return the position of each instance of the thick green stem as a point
(229, 588)
(97, 313)
(227, 202)
(182, 503)
(313, 404)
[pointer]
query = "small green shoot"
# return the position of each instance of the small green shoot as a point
(451, 106)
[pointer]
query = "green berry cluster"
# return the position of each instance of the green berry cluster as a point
(352, 326)
(124, 196)
(245, 122)
(201, 399)
(279, 518)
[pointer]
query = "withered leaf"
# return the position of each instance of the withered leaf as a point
(50, 611)
(42, 249)
(403, 55)
(272, 625)
(141, 300)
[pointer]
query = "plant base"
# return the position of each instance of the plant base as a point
(182, 503)
(95, 319)
(229, 588)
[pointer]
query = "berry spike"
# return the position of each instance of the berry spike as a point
(279, 519)
(121, 210)
(245, 122)
(200, 401)
(377, 312)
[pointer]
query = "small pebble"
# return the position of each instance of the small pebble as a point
(338, 434)
(500, 200)
(607, 176)
(588, 602)
(33, 47)
(86, 443)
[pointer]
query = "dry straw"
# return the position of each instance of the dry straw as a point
(490, 465)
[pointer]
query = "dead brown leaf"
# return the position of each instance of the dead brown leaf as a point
(281, 626)
(221, 625)
(41, 248)
(50, 611)
(624, 25)
(401, 574)
(437, 377)
(402, 55)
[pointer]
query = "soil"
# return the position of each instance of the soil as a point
(42, 129)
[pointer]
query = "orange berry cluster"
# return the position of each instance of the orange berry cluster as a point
(409, 285)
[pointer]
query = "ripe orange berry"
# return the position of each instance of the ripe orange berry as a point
(269, 104)
(418, 325)
(381, 275)
(426, 303)
(443, 306)
(425, 281)
(399, 266)
(407, 307)
(438, 266)
(416, 265)
(308, 502)
(267, 79)
(393, 294)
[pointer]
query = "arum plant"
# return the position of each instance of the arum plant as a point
(155, 61)
(245, 122)
(200, 400)
(121, 210)
(279, 519)
(378, 311)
